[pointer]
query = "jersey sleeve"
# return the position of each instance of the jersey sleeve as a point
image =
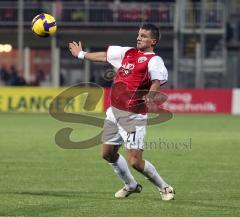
(157, 69)
(115, 55)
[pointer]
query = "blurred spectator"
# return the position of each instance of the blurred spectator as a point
(100, 12)
(8, 14)
(163, 12)
(13, 76)
(157, 13)
(229, 31)
(4, 74)
(131, 13)
(212, 18)
(62, 79)
(78, 15)
(20, 81)
(39, 77)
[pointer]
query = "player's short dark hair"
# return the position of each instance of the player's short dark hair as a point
(154, 30)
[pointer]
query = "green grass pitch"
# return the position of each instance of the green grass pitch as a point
(39, 179)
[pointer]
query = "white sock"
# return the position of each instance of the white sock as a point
(152, 175)
(120, 167)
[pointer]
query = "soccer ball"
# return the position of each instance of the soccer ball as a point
(44, 25)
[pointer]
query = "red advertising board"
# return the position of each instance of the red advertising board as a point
(192, 100)
(199, 100)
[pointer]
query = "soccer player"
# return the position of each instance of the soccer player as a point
(140, 72)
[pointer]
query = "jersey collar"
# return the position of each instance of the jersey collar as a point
(146, 52)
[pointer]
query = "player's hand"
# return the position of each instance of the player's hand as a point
(149, 101)
(75, 48)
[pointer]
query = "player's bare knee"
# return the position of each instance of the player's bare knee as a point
(106, 156)
(110, 157)
(135, 163)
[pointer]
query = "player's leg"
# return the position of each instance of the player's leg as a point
(111, 143)
(135, 159)
(119, 165)
(135, 145)
(145, 167)
(110, 152)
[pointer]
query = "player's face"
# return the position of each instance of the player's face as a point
(145, 42)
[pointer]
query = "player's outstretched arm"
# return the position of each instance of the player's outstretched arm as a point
(76, 50)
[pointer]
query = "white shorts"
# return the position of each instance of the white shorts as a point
(122, 127)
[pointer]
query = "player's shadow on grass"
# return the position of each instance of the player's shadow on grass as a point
(39, 208)
(67, 194)
(206, 204)
(201, 204)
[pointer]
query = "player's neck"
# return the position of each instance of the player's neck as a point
(147, 50)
